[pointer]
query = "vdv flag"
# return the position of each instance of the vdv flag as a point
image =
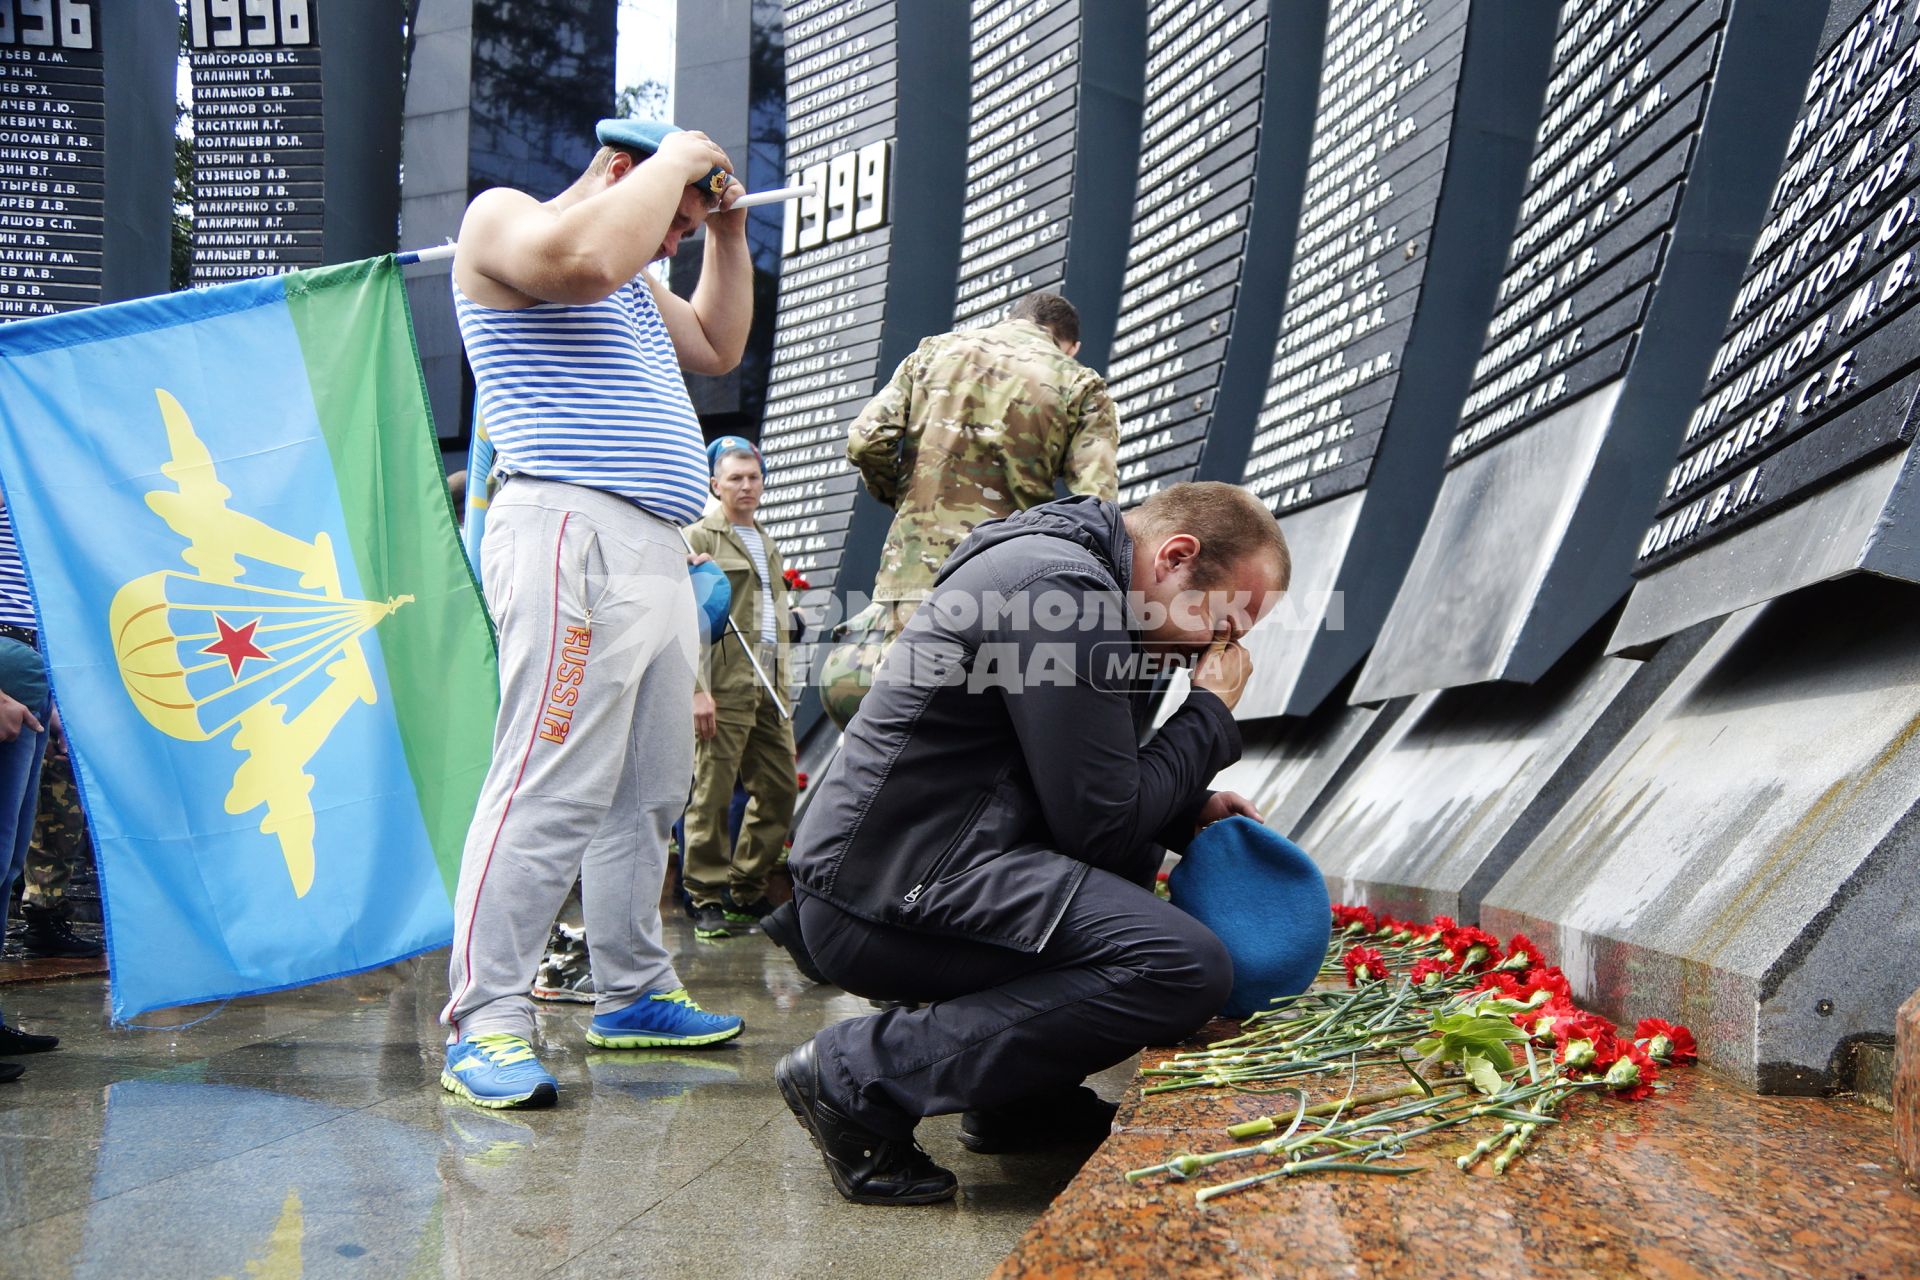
(473, 528)
(263, 634)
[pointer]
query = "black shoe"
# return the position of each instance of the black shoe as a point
(13, 1040)
(782, 927)
(48, 933)
(711, 922)
(743, 912)
(866, 1168)
(11, 1071)
(1073, 1117)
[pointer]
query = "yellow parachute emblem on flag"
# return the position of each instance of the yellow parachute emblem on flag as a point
(204, 652)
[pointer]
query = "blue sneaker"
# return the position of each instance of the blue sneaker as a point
(498, 1071)
(662, 1020)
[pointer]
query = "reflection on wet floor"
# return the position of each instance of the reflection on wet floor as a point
(305, 1134)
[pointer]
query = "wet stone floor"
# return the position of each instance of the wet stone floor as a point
(305, 1134)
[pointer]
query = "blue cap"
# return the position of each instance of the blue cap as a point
(1262, 896)
(732, 444)
(645, 137)
(712, 597)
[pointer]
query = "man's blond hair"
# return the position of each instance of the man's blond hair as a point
(1230, 522)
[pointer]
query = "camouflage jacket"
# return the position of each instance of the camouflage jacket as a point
(978, 424)
(729, 674)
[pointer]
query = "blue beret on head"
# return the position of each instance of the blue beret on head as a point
(712, 597)
(645, 137)
(1263, 897)
(732, 444)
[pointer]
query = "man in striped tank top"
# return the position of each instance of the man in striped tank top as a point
(577, 356)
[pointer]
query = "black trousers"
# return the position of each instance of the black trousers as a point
(1122, 970)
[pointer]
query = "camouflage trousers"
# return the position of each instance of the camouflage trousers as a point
(846, 673)
(60, 843)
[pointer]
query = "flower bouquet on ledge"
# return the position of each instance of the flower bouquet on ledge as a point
(1488, 1037)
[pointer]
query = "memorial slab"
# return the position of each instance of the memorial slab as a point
(85, 196)
(1743, 859)
(271, 81)
(1795, 466)
(868, 260)
(1419, 153)
(1665, 118)
(1216, 205)
(1053, 141)
(1462, 781)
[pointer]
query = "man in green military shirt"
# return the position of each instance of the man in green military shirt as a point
(740, 730)
(976, 424)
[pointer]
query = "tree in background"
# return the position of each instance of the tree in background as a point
(181, 261)
(644, 101)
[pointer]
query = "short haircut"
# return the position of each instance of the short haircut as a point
(604, 157)
(1230, 522)
(748, 454)
(1051, 312)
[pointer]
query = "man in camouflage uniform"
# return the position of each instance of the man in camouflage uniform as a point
(976, 424)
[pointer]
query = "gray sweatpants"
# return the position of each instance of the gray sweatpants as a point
(592, 753)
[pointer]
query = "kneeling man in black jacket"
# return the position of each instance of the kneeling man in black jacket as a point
(986, 843)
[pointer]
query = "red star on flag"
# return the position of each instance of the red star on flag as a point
(236, 644)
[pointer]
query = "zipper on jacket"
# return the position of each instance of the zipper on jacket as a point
(913, 894)
(946, 855)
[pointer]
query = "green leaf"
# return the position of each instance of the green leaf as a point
(1485, 1078)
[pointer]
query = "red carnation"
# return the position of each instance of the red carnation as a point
(1548, 979)
(1632, 1073)
(1347, 917)
(1365, 963)
(1473, 949)
(1678, 1043)
(795, 582)
(1423, 969)
(1522, 953)
(1501, 984)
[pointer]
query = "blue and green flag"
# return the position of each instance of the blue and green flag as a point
(263, 635)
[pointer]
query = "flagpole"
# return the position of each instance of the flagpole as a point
(441, 252)
(779, 703)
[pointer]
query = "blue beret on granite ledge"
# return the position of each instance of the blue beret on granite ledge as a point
(1262, 896)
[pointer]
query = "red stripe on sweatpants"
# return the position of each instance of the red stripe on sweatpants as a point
(553, 645)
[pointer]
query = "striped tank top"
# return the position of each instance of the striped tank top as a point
(589, 395)
(16, 599)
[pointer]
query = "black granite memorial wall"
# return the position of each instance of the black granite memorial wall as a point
(877, 124)
(273, 80)
(85, 98)
(1052, 142)
(1656, 149)
(1810, 398)
(1419, 155)
(1223, 154)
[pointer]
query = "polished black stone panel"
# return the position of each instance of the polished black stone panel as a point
(1054, 127)
(1825, 320)
(271, 83)
(1216, 208)
(81, 109)
(1657, 143)
(1420, 147)
(868, 262)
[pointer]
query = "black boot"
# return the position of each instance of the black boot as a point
(11, 1071)
(48, 932)
(866, 1167)
(782, 927)
(1075, 1117)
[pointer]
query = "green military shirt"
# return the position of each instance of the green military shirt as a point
(730, 678)
(977, 424)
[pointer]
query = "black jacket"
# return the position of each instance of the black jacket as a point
(996, 757)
